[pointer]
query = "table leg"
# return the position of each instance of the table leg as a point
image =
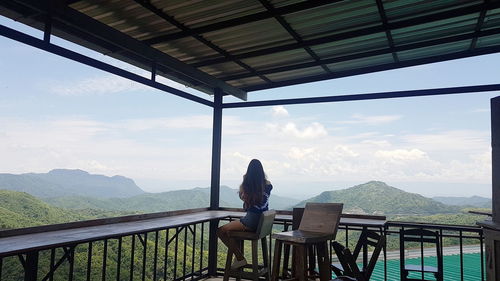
(325, 273)
(276, 260)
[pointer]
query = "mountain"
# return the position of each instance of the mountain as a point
(473, 201)
(376, 197)
(164, 201)
(63, 182)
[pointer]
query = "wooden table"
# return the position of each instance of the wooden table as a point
(20, 241)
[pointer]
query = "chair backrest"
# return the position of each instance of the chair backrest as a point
(420, 236)
(348, 259)
(321, 217)
(266, 222)
(297, 214)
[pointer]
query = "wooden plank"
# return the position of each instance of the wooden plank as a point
(45, 237)
(46, 240)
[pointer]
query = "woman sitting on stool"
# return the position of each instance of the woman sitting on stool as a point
(254, 191)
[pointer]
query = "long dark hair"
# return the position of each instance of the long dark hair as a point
(254, 181)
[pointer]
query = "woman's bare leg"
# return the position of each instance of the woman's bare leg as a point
(222, 232)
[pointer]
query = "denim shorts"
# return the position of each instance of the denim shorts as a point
(251, 220)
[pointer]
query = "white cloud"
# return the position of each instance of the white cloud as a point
(290, 129)
(106, 84)
(401, 154)
(279, 111)
(371, 120)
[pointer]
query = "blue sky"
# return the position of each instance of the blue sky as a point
(56, 113)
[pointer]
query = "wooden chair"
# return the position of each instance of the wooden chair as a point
(264, 228)
(420, 236)
(318, 225)
(348, 266)
(297, 214)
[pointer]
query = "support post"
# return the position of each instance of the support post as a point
(495, 158)
(31, 266)
(215, 182)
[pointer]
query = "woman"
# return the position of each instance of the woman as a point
(254, 191)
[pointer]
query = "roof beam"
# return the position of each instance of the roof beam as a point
(369, 96)
(355, 33)
(385, 51)
(477, 29)
(292, 32)
(241, 20)
(174, 22)
(389, 66)
(94, 28)
(54, 49)
(385, 23)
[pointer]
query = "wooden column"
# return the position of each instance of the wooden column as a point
(495, 158)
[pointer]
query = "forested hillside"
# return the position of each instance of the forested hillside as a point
(376, 197)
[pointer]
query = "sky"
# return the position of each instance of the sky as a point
(56, 113)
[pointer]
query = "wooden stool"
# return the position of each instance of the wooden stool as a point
(318, 225)
(263, 230)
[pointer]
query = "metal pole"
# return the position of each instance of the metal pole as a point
(215, 183)
(495, 158)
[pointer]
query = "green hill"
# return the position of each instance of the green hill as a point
(376, 197)
(164, 201)
(20, 209)
(63, 182)
(473, 201)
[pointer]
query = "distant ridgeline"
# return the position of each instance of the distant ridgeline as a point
(69, 195)
(62, 182)
(377, 197)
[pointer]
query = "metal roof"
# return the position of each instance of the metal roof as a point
(249, 45)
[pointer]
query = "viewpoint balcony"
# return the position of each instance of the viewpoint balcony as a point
(181, 245)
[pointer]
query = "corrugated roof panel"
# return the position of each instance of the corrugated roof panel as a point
(279, 59)
(126, 16)
(243, 38)
(406, 9)
(186, 49)
(196, 13)
(292, 74)
(434, 50)
(223, 68)
(437, 29)
(338, 17)
(488, 41)
(246, 82)
(361, 63)
(352, 45)
(492, 19)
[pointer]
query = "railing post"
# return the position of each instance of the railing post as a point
(215, 182)
(31, 266)
(495, 157)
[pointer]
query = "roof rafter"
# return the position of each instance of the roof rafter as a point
(381, 11)
(479, 25)
(355, 33)
(171, 20)
(292, 32)
(92, 28)
(389, 66)
(385, 51)
(241, 20)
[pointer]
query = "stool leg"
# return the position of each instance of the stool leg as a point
(276, 260)
(255, 260)
(228, 264)
(325, 273)
(242, 249)
(301, 263)
(265, 257)
(286, 258)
